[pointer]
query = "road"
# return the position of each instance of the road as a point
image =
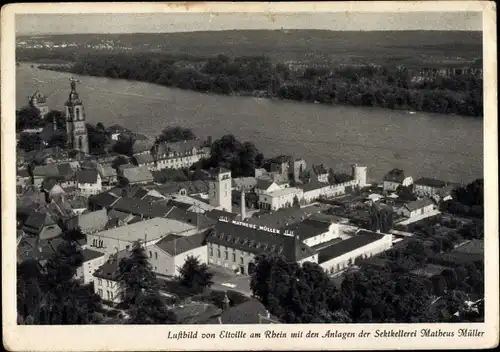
(226, 279)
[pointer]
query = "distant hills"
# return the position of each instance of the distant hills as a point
(410, 48)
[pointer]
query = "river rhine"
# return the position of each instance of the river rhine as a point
(442, 146)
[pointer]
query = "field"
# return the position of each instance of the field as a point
(410, 48)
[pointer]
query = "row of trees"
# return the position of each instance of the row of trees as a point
(358, 86)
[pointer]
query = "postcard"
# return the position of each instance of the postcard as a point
(249, 176)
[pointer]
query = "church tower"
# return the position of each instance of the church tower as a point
(75, 121)
(220, 195)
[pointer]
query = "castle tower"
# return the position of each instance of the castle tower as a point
(220, 189)
(75, 121)
(39, 101)
(359, 173)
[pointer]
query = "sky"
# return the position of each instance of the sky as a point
(30, 24)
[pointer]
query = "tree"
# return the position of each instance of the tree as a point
(29, 141)
(176, 134)
(28, 117)
(98, 139)
(58, 117)
(296, 202)
(124, 145)
(119, 160)
(140, 289)
(58, 139)
(194, 275)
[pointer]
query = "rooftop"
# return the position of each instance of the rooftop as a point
(361, 239)
(89, 254)
(286, 216)
(431, 182)
(153, 228)
(285, 191)
(395, 175)
(418, 204)
(175, 245)
(87, 176)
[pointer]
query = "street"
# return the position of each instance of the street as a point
(226, 279)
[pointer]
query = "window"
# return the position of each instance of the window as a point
(242, 260)
(111, 295)
(234, 257)
(99, 282)
(156, 255)
(218, 253)
(107, 283)
(150, 254)
(99, 292)
(211, 251)
(225, 255)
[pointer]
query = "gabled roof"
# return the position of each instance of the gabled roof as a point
(175, 245)
(395, 175)
(138, 174)
(104, 199)
(109, 270)
(116, 128)
(145, 158)
(137, 206)
(431, 182)
(264, 183)
(89, 254)
(65, 170)
(46, 170)
(244, 182)
(418, 204)
(87, 176)
(90, 222)
(249, 312)
(37, 221)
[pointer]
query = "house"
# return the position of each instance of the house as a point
(234, 245)
(244, 183)
(43, 171)
(364, 244)
(23, 180)
(427, 187)
(116, 130)
(393, 179)
(138, 175)
(144, 159)
(178, 154)
(282, 198)
(148, 231)
(169, 254)
(142, 146)
(321, 173)
(314, 232)
(108, 175)
(79, 204)
(34, 248)
(266, 185)
(90, 222)
(106, 279)
(42, 225)
(92, 260)
(89, 182)
(417, 208)
(248, 312)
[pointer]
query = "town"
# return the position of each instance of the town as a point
(115, 226)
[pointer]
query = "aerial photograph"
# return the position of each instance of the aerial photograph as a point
(231, 168)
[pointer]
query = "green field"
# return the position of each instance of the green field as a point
(392, 48)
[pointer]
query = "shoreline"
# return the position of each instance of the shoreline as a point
(257, 94)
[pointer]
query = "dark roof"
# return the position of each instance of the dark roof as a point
(309, 228)
(140, 193)
(217, 214)
(285, 216)
(361, 239)
(115, 128)
(258, 241)
(418, 204)
(65, 169)
(220, 170)
(104, 199)
(49, 182)
(175, 245)
(89, 254)
(141, 207)
(144, 158)
(87, 176)
(193, 218)
(180, 205)
(319, 169)
(37, 220)
(46, 170)
(249, 312)
(138, 174)
(431, 182)
(33, 248)
(23, 173)
(264, 183)
(395, 175)
(109, 270)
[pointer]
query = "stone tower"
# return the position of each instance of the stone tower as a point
(220, 189)
(39, 101)
(75, 121)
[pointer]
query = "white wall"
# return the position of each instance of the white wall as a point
(91, 188)
(108, 290)
(391, 186)
(86, 271)
(342, 262)
(332, 233)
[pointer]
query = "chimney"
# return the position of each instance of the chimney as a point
(219, 319)
(243, 212)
